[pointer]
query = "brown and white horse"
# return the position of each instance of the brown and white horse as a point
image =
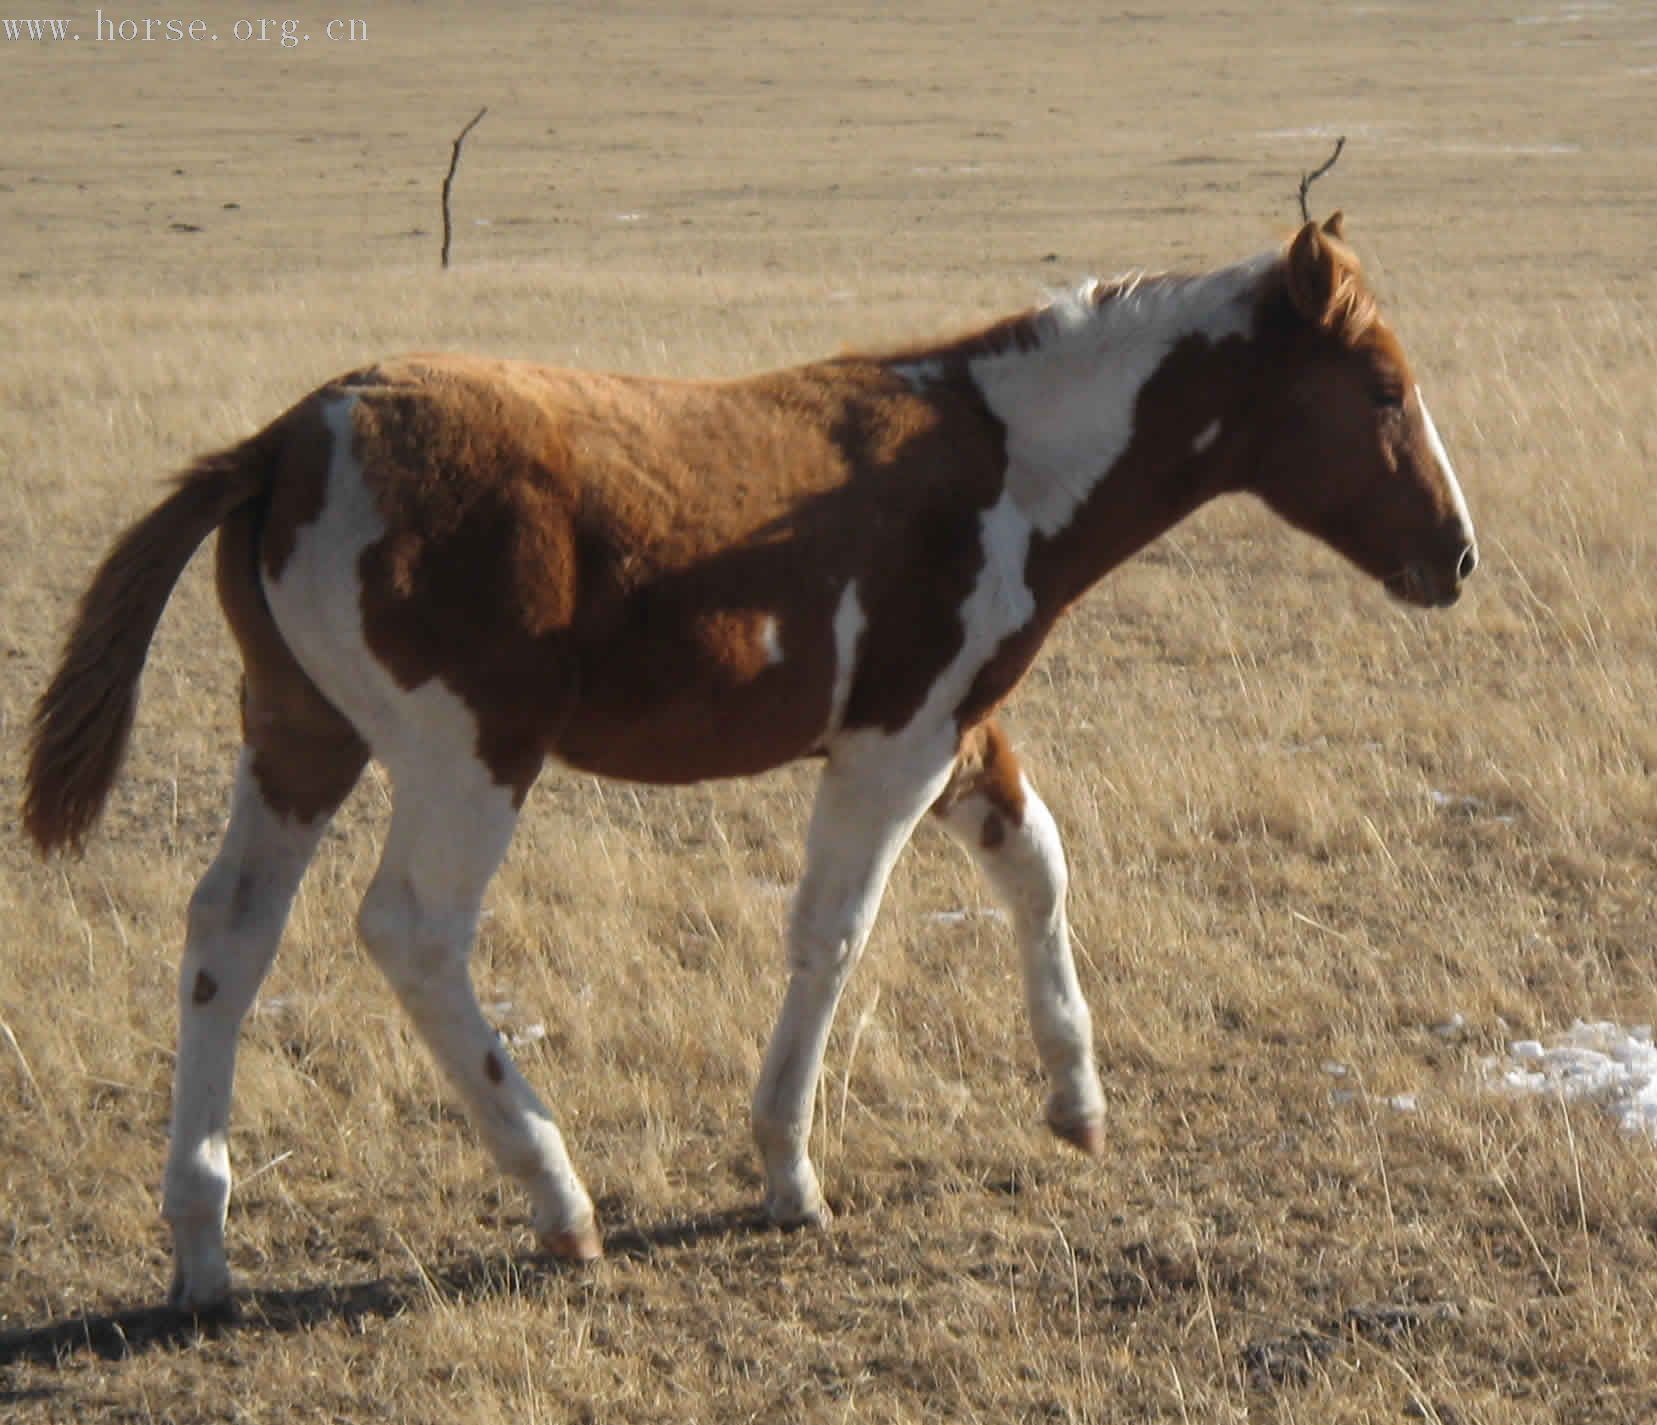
(466, 567)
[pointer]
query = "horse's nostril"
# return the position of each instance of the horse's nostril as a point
(1468, 562)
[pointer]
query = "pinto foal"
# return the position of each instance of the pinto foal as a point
(466, 567)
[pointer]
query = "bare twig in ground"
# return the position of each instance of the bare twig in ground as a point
(1306, 180)
(454, 163)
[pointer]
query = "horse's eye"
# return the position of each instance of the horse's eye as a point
(1387, 396)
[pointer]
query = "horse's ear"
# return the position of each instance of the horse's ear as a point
(1335, 224)
(1313, 273)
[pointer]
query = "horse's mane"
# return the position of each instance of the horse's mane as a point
(1352, 311)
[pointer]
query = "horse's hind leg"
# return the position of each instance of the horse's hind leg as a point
(992, 810)
(450, 827)
(299, 760)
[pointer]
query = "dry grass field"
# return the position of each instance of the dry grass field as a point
(1307, 828)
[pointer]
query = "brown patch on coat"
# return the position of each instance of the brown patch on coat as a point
(587, 560)
(204, 988)
(986, 766)
(492, 1068)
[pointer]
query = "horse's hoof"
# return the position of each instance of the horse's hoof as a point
(575, 1244)
(201, 1302)
(792, 1216)
(1087, 1134)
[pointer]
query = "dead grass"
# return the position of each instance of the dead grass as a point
(1305, 827)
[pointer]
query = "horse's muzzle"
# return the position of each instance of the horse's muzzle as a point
(1433, 585)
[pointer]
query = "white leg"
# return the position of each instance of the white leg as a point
(1014, 840)
(418, 921)
(235, 921)
(873, 792)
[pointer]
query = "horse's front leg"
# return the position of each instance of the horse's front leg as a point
(874, 790)
(990, 807)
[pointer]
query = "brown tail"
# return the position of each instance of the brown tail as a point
(83, 719)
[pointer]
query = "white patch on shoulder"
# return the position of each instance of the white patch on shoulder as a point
(1068, 404)
(770, 639)
(1206, 437)
(1459, 501)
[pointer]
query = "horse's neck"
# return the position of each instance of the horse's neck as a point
(1117, 413)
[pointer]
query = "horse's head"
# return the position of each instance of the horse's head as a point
(1346, 449)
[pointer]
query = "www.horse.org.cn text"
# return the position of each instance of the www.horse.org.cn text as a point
(177, 29)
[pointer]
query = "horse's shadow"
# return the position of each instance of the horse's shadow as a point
(117, 1335)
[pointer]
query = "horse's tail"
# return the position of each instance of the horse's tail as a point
(83, 719)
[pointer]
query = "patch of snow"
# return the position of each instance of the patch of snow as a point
(1464, 806)
(296, 1003)
(961, 917)
(1596, 1062)
(1510, 150)
(1398, 1102)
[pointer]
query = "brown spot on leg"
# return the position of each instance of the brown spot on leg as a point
(492, 1067)
(205, 988)
(994, 832)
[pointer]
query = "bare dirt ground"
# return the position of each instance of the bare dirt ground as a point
(1306, 827)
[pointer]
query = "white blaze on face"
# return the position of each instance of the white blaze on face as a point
(1458, 501)
(1206, 437)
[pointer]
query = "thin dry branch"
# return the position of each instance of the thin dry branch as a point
(449, 177)
(1306, 179)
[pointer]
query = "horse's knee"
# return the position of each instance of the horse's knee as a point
(826, 933)
(1017, 845)
(233, 922)
(412, 944)
(214, 903)
(239, 903)
(385, 918)
(1028, 869)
